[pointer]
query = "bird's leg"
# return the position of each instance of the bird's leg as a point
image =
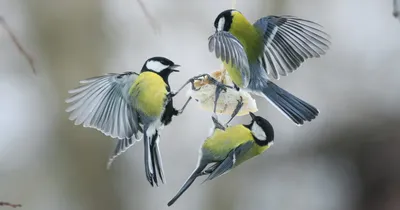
(217, 124)
(184, 106)
(217, 92)
(219, 88)
(236, 87)
(191, 80)
(236, 111)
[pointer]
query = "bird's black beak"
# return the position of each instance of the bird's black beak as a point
(253, 116)
(173, 68)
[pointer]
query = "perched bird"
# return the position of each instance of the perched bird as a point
(129, 106)
(271, 47)
(226, 148)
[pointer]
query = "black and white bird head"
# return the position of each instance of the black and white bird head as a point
(159, 64)
(262, 130)
(224, 20)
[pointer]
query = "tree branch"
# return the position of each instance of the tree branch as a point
(7, 28)
(396, 9)
(10, 204)
(153, 23)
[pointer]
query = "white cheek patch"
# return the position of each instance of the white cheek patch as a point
(221, 24)
(155, 66)
(258, 132)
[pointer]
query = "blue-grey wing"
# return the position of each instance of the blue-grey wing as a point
(288, 42)
(229, 49)
(103, 103)
(229, 162)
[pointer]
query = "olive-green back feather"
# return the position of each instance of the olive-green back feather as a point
(249, 36)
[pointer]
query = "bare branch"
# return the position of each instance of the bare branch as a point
(153, 23)
(396, 9)
(4, 24)
(233, 4)
(10, 204)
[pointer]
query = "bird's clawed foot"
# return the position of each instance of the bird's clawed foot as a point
(236, 111)
(217, 124)
(191, 81)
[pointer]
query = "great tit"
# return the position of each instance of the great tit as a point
(129, 106)
(272, 46)
(228, 147)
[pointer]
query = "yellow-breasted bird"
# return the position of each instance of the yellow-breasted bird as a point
(129, 106)
(228, 147)
(272, 46)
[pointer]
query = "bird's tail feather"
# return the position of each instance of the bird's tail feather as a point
(294, 108)
(189, 181)
(148, 160)
(156, 159)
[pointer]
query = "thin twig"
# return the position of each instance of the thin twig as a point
(10, 204)
(153, 23)
(17, 43)
(233, 4)
(396, 8)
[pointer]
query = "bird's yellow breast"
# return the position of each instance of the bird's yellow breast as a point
(149, 92)
(221, 142)
(235, 74)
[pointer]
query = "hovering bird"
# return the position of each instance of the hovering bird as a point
(271, 47)
(226, 148)
(129, 106)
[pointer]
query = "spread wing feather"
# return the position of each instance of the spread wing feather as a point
(103, 103)
(229, 49)
(288, 42)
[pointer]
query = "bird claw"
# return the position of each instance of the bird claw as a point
(236, 111)
(240, 102)
(193, 87)
(217, 124)
(215, 117)
(220, 86)
(171, 95)
(236, 87)
(193, 79)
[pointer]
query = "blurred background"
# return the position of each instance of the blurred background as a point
(346, 159)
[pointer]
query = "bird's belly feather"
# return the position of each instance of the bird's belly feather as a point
(235, 74)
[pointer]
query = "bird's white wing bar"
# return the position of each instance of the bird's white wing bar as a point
(103, 103)
(288, 42)
(230, 50)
